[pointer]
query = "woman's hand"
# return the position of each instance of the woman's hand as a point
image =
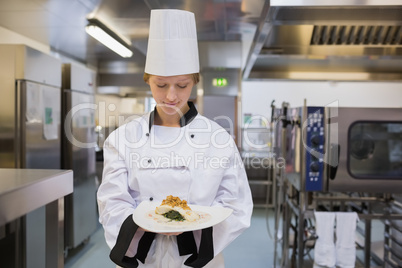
(179, 233)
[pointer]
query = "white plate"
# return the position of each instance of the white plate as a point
(144, 214)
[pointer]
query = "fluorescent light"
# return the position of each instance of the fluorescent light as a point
(110, 39)
(347, 76)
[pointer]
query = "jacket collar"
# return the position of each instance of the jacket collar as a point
(184, 120)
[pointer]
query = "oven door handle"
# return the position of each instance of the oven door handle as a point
(332, 166)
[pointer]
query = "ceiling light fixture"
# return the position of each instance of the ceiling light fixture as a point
(109, 38)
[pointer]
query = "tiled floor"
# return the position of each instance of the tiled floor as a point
(254, 248)
(93, 254)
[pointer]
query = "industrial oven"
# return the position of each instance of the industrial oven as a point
(340, 149)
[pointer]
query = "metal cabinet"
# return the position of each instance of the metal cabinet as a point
(258, 161)
(259, 170)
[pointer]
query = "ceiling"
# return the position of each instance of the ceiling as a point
(61, 23)
(319, 39)
(277, 39)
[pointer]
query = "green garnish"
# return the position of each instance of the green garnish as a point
(174, 215)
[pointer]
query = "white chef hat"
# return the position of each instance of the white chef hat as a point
(172, 43)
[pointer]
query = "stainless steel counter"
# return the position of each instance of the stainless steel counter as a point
(25, 190)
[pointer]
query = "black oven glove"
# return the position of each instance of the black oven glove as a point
(186, 245)
(126, 234)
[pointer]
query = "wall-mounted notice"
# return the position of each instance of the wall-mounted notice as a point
(51, 112)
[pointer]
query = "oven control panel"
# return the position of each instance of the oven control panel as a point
(314, 148)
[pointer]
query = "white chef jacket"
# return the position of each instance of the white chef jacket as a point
(198, 162)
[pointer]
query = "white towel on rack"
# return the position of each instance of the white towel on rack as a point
(324, 249)
(345, 239)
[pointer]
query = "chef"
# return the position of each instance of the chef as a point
(172, 150)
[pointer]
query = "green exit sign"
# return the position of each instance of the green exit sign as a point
(219, 82)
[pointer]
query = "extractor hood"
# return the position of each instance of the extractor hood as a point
(322, 39)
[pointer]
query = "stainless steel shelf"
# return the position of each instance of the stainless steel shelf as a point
(258, 182)
(261, 203)
(256, 128)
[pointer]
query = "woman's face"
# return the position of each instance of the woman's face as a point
(171, 93)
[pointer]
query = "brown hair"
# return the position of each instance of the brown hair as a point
(195, 77)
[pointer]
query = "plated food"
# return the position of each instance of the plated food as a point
(149, 215)
(176, 209)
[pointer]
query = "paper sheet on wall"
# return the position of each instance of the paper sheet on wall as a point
(33, 103)
(50, 112)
